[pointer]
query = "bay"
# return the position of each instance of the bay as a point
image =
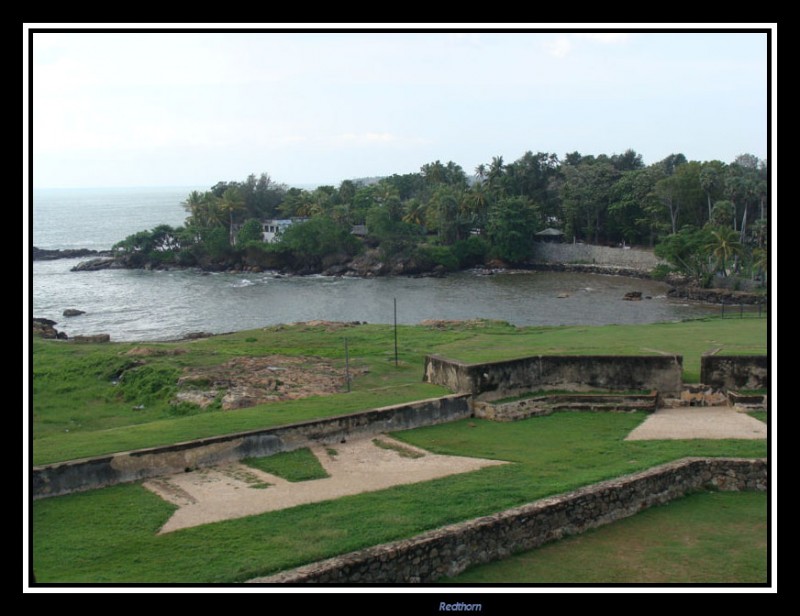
(163, 305)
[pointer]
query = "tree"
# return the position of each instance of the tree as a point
(249, 233)
(688, 251)
(724, 246)
(512, 224)
(231, 203)
(712, 181)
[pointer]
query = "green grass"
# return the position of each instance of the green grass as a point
(405, 452)
(109, 535)
(297, 465)
(79, 411)
(706, 538)
(760, 415)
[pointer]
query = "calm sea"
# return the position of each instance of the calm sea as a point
(140, 305)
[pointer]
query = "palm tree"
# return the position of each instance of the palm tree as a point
(480, 173)
(231, 202)
(724, 246)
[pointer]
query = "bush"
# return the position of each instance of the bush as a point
(471, 252)
(148, 384)
(428, 257)
(661, 271)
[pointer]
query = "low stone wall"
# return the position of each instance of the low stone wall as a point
(546, 405)
(637, 259)
(91, 473)
(450, 550)
(571, 372)
(735, 371)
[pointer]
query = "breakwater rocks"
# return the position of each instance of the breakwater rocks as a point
(716, 296)
(42, 254)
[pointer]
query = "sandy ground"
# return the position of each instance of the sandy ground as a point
(235, 490)
(712, 422)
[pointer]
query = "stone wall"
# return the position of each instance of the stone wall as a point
(637, 259)
(450, 550)
(91, 473)
(735, 371)
(571, 372)
(538, 406)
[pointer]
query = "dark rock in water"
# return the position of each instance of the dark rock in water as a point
(633, 296)
(92, 338)
(94, 265)
(41, 254)
(45, 329)
(716, 296)
(73, 312)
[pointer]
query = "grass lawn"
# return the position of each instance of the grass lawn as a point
(81, 408)
(109, 535)
(297, 465)
(705, 538)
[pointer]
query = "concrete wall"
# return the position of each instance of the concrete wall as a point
(91, 473)
(448, 551)
(571, 372)
(549, 252)
(735, 371)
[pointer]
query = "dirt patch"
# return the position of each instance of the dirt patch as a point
(225, 492)
(247, 381)
(711, 422)
(151, 352)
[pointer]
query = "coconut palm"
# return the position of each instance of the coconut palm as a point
(724, 247)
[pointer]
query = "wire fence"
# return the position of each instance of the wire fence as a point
(742, 311)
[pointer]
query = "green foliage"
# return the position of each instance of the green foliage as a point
(688, 252)
(250, 232)
(471, 252)
(312, 240)
(661, 271)
(147, 384)
(429, 257)
(297, 465)
(512, 224)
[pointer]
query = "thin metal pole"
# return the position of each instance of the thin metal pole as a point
(395, 332)
(723, 310)
(347, 365)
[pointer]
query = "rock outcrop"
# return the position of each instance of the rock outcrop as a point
(45, 328)
(73, 312)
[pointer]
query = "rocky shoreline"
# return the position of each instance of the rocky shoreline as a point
(370, 265)
(42, 254)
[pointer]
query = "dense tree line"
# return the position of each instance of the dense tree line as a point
(703, 217)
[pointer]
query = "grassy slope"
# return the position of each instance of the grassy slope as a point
(708, 538)
(78, 412)
(109, 535)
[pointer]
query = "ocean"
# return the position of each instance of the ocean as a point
(164, 305)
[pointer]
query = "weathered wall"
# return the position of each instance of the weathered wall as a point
(735, 371)
(549, 252)
(570, 372)
(545, 405)
(90, 473)
(448, 551)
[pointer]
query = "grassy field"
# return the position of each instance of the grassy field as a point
(81, 406)
(297, 465)
(109, 535)
(706, 538)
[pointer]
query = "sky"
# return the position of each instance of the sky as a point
(190, 109)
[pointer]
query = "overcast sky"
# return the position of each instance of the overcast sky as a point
(182, 109)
